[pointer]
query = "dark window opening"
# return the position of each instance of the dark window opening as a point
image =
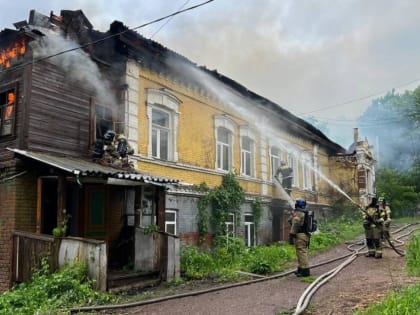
(7, 112)
(104, 121)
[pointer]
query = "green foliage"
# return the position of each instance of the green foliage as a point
(400, 190)
(195, 264)
(402, 302)
(203, 214)
(152, 228)
(52, 293)
(267, 259)
(257, 209)
(413, 255)
(225, 199)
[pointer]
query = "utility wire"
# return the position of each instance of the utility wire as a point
(106, 37)
(168, 20)
(360, 98)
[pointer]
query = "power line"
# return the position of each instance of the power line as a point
(168, 20)
(106, 37)
(361, 98)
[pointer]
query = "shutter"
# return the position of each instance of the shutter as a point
(361, 178)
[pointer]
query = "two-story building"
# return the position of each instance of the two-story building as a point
(73, 99)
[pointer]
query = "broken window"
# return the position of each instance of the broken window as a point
(103, 121)
(7, 112)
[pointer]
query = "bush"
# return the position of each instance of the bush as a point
(267, 259)
(194, 263)
(52, 293)
(413, 255)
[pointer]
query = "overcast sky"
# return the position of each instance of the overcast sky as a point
(322, 58)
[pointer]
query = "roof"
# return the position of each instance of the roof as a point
(87, 168)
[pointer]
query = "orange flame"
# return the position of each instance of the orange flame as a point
(9, 109)
(11, 53)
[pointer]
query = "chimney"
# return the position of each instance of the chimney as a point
(356, 134)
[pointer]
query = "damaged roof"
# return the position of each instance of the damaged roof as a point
(87, 168)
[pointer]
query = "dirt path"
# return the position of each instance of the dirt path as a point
(361, 283)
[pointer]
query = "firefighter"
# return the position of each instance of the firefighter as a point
(300, 238)
(284, 175)
(384, 207)
(373, 220)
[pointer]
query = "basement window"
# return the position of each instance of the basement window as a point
(170, 221)
(7, 112)
(249, 230)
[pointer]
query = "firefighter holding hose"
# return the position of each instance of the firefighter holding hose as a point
(373, 220)
(384, 207)
(300, 237)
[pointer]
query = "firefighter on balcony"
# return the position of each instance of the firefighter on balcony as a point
(284, 175)
(300, 237)
(373, 220)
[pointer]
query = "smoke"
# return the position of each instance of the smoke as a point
(77, 65)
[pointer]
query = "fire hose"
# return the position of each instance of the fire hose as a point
(322, 279)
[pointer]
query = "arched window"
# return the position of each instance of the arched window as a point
(163, 111)
(224, 143)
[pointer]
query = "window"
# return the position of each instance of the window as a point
(162, 110)
(275, 158)
(230, 225)
(249, 230)
(224, 149)
(293, 163)
(160, 134)
(307, 176)
(247, 156)
(103, 120)
(7, 112)
(170, 221)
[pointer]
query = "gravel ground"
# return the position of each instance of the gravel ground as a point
(361, 283)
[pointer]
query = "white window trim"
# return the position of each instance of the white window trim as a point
(279, 157)
(171, 222)
(224, 122)
(245, 131)
(162, 99)
(248, 236)
(230, 223)
(293, 162)
(307, 173)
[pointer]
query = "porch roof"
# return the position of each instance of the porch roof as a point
(82, 167)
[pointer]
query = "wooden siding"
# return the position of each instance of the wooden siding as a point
(59, 113)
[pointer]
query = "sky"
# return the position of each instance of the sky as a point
(326, 59)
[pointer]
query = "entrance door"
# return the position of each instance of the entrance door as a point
(95, 213)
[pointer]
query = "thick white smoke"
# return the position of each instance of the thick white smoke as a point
(77, 64)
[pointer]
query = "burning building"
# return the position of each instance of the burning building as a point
(104, 134)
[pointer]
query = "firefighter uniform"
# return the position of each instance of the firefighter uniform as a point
(300, 238)
(373, 224)
(384, 207)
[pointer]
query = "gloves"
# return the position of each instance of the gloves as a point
(291, 239)
(366, 224)
(380, 221)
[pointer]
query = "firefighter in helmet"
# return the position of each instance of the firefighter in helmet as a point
(384, 207)
(300, 237)
(373, 220)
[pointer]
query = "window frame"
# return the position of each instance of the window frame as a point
(230, 224)
(306, 173)
(163, 100)
(247, 156)
(274, 166)
(250, 240)
(7, 89)
(174, 223)
(293, 163)
(225, 123)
